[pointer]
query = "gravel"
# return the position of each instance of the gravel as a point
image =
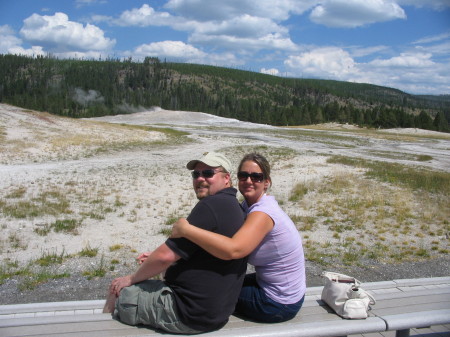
(78, 287)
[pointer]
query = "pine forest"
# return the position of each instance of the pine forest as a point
(89, 88)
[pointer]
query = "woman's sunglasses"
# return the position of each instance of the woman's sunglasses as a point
(256, 177)
(208, 173)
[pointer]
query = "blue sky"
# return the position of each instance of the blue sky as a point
(404, 44)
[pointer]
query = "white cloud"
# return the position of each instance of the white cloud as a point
(201, 10)
(437, 45)
(182, 52)
(434, 4)
(244, 34)
(244, 45)
(57, 34)
(169, 49)
(437, 49)
(431, 39)
(413, 72)
(241, 26)
(240, 32)
(365, 51)
(207, 10)
(223, 59)
(92, 54)
(33, 51)
(144, 16)
(326, 62)
(355, 13)
(406, 60)
(272, 71)
(11, 44)
(8, 39)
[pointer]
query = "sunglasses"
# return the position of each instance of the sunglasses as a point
(256, 177)
(208, 173)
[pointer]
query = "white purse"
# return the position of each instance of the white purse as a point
(344, 295)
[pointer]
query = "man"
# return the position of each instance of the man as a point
(199, 291)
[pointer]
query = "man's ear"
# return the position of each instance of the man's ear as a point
(228, 177)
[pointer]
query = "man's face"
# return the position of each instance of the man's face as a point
(209, 186)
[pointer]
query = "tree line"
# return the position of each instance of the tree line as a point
(90, 88)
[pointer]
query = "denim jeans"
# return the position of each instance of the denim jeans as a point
(256, 305)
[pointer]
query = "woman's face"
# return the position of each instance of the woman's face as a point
(252, 190)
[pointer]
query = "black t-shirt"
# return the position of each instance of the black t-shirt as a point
(206, 288)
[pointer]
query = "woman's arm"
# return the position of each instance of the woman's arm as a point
(243, 242)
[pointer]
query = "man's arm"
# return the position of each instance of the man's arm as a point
(243, 242)
(158, 261)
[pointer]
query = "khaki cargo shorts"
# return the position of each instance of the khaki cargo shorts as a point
(150, 303)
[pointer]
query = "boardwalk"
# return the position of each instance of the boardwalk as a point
(84, 318)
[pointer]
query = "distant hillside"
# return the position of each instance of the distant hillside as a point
(88, 88)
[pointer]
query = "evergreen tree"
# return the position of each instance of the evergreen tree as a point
(317, 115)
(424, 121)
(440, 122)
(306, 120)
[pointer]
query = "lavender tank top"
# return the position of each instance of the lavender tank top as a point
(279, 259)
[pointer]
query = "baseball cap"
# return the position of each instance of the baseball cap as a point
(212, 159)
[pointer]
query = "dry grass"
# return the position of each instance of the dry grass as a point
(362, 219)
(390, 134)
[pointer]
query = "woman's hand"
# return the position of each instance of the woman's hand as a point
(141, 258)
(179, 228)
(119, 283)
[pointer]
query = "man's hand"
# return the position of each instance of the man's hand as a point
(141, 258)
(119, 283)
(179, 227)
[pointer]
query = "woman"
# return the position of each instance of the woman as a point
(275, 293)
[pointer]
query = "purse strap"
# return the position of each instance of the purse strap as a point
(372, 299)
(341, 278)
